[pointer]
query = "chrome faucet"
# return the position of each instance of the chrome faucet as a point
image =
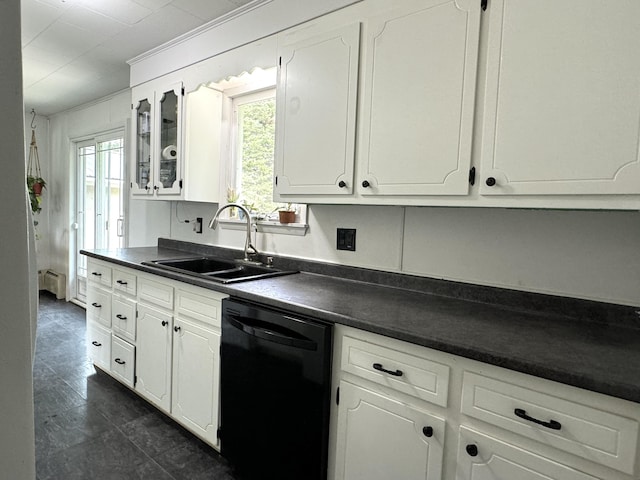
(249, 250)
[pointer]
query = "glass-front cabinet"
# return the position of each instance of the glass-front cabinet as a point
(157, 116)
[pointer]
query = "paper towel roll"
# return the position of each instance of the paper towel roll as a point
(170, 152)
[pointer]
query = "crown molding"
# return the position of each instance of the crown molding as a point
(238, 12)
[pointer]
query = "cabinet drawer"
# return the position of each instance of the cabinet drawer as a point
(481, 456)
(597, 433)
(122, 360)
(403, 372)
(124, 282)
(155, 293)
(99, 273)
(99, 306)
(98, 345)
(123, 317)
(203, 306)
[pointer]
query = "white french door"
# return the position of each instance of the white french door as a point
(100, 199)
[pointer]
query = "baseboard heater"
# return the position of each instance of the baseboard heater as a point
(53, 282)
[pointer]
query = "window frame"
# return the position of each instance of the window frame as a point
(237, 91)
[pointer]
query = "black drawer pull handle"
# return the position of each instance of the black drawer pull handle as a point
(119, 362)
(121, 282)
(342, 184)
(164, 323)
(176, 329)
(427, 431)
(491, 181)
(380, 368)
(97, 344)
(366, 184)
(121, 317)
(472, 450)
(97, 274)
(552, 424)
(97, 305)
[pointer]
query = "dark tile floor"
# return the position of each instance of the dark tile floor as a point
(89, 426)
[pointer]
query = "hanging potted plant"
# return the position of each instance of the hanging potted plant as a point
(287, 214)
(35, 182)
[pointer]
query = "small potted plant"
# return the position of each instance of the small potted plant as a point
(287, 214)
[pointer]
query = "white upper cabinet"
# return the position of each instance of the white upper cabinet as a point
(562, 106)
(418, 94)
(157, 120)
(316, 114)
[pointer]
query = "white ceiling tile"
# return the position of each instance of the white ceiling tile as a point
(67, 39)
(36, 17)
(99, 24)
(204, 9)
(154, 30)
(154, 4)
(35, 70)
(36, 54)
(125, 11)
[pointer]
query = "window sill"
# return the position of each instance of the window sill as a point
(266, 226)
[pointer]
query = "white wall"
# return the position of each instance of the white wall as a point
(17, 452)
(584, 254)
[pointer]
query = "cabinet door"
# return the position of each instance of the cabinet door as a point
(484, 458)
(562, 104)
(380, 438)
(168, 178)
(153, 356)
(418, 99)
(196, 372)
(143, 171)
(316, 114)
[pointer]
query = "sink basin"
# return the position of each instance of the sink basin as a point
(201, 265)
(222, 271)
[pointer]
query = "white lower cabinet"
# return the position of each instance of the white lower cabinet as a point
(153, 360)
(196, 372)
(161, 338)
(481, 457)
(395, 400)
(381, 438)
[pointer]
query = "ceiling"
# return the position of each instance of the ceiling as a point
(75, 51)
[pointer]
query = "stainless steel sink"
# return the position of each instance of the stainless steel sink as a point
(222, 271)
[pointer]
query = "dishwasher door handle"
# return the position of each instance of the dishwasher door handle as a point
(265, 333)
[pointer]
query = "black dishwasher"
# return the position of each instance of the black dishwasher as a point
(274, 393)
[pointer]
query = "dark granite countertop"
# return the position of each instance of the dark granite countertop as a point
(602, 356)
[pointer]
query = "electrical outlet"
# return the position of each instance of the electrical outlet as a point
(197, 227)
(346, 239)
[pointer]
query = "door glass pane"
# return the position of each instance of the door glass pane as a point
(168, 139)
(143, 144)
(110, 157)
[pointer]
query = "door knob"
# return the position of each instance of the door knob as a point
(342, 184)
(366, 184)
(427, 431)
(491, 181)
